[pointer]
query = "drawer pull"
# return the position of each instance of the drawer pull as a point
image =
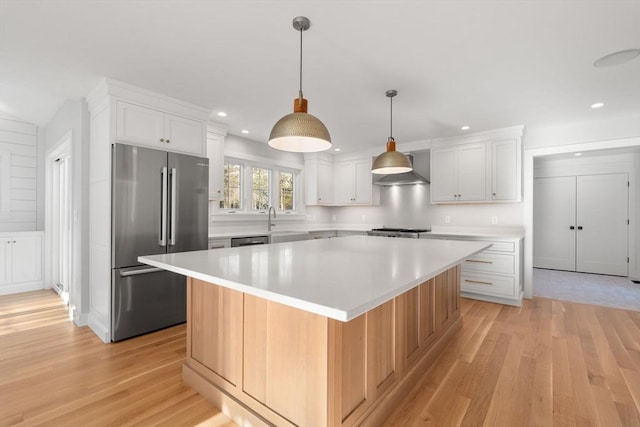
(480, 261)
(478, 282)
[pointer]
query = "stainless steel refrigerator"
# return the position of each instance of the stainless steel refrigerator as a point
(159, 205)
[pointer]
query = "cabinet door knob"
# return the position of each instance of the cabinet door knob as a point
(168, 141)
(571, 227)
(161, 139)
(579, 227)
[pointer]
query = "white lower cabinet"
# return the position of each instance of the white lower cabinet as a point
(495, 274)
(219, 243)
(20, 262)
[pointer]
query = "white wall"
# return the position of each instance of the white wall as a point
(73, 118)
(18, 175)
(575, 133)
(245, 148)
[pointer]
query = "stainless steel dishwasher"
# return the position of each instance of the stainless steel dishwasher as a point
(249, 241)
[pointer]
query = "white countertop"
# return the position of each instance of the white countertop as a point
(493, 233)
(337, 278)
(237, 231)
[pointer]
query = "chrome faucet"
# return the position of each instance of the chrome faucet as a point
(269, 224)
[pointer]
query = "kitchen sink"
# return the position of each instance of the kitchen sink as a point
(288, 236)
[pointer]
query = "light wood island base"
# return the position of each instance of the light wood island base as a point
(265, 363)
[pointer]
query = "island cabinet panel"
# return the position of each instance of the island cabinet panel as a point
(447, 298)
(265, 363)
(216, 329)
(417, 319)
(381, 349)
(354, 365)
(293, 362)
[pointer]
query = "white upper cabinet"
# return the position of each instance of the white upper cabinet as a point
(345, 182)
(319, 180)
(505, 172)
(353, 182)
(141, 125)
(458, 174)
(478, 168)
(215, 153)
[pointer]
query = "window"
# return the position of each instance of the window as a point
(260, 182)
(285, 191)
(251, 187)
(232, 187)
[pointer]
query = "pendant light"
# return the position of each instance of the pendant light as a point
(391, 161)
(300, 131)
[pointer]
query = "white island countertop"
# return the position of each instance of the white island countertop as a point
(338, 278)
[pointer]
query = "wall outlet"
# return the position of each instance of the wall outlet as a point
(363, 218)
(447, 219)
(494, 220)
(333, 217)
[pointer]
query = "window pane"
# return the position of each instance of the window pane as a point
(232, 186)
(286, 191)
(260, 188)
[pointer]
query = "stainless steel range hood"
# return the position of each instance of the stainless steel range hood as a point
(408, 178)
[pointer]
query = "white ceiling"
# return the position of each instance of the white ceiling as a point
(488, 64)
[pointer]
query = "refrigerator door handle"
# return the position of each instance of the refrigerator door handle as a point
(138, 272)
(173, 174)
(163, 209)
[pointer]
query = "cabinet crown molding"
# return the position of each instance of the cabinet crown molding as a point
(484, 136)
(120, 90)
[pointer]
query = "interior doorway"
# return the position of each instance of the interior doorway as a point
(607, 159)
(59, 217)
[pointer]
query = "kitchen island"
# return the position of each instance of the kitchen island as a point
(317, 333)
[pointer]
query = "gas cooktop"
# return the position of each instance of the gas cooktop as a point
(413, 233)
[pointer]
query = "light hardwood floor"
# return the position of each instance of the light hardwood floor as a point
(549, 363)
(55, 374)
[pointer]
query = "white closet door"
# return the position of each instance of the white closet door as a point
(602, 213)
(554, 213)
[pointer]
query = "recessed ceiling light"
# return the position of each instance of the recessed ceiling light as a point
(222, 114)
(617, 58)
(597, 105)
(336, 149)
(577, 154)
(244, 131)
(465, 127)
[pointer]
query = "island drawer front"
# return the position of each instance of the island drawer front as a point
(490, 263)
(487, 284)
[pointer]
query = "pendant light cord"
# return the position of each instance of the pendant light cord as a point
(391, 119)
(300, 90)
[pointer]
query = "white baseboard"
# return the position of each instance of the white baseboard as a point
(20, 287)
(99, 329)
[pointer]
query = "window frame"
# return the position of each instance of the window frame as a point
(246, 189)
(238, 162)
